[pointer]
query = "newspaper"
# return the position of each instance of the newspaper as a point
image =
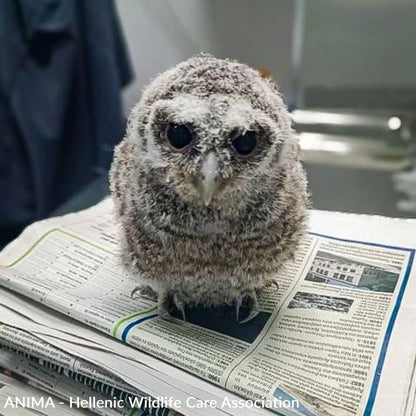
(25, 352)
(173, 387)
(336, 339)
(18, 398)
(75, 394)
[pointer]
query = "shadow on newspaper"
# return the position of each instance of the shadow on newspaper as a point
(223, 320)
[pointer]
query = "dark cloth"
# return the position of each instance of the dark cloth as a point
(62, 65)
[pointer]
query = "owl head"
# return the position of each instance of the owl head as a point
(212, 130)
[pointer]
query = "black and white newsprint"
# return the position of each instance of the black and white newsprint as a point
(337, 338)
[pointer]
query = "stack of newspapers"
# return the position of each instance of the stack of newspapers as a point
(337, 338)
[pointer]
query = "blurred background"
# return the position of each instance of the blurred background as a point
(70, 70)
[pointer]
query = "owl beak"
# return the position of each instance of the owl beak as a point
(209, 173)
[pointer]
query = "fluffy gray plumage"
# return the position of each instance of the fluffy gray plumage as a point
(206, 226)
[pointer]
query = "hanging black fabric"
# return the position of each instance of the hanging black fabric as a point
(62, 65)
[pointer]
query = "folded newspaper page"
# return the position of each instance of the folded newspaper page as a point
(18, 398)
(336, 339)
(75, 393)
(21, 351)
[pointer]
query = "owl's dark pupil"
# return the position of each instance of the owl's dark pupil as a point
(245, 144)
(178, 135)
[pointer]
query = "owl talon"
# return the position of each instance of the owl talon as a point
(180, 305)
(135, 290)
(250, 316)
(165, 305)
(145, 291)
(182, 310)
(274, 283)
(164, 314)
(252, 304)
(237, 309)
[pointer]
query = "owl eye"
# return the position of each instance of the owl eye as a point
(246, 143)
(179, 136)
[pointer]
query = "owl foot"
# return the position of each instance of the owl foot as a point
(145, 291)
(180, 305)
(253, 306)
(272, 282)
(165, 305)
(166, 302)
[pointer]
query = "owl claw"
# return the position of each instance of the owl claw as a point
(182, 310)
(180, 305)
(165, 306)
(165, 303)
(274, 283)
(250, 316)
(145, 291)
(237, 310)
(253, 306)
(135, 290)
(164, 314)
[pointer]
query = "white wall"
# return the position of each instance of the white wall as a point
(360, 43)
(347, 43)
(161, 33)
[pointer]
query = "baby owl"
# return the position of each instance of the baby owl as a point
(208, 186)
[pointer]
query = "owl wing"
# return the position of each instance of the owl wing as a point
(121, 171)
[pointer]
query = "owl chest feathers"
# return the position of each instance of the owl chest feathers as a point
(173, 240)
